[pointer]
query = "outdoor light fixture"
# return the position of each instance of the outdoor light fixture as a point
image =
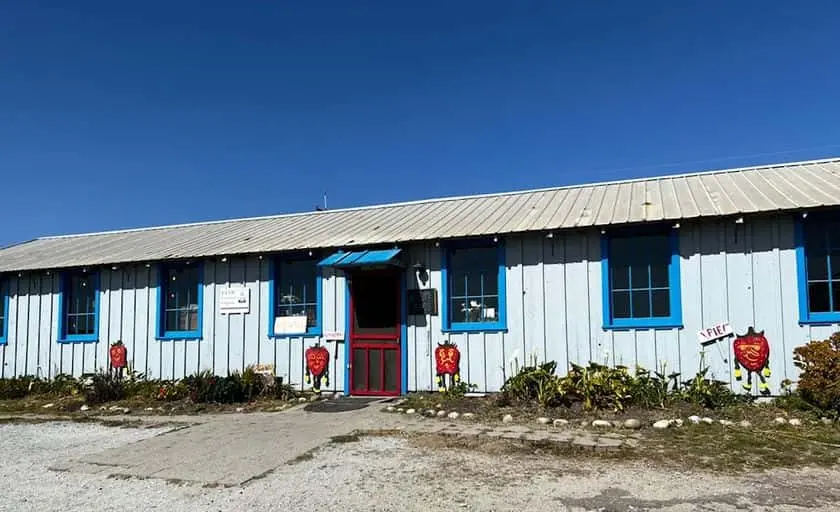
(224, 259)
(113, 267)
(259, 257)
(549, 235)
(148, 265)
(804, 215)
(739, 220)
(495, 239)
(677, 225)
(421, 271)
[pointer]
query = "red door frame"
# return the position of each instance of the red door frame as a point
(380, 346)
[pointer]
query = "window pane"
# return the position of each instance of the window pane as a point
(296, 291)
(641, 304)
(659, 275)
(621, 304)
(375, 370)
(359, 368)
(817, 267)
(392, 369)
(171, 321)
(474, 285)
(620, 277)
(639, 276)
(661, 303)
(835, 266)
(818, 297)
(491, 309)
(835, 293)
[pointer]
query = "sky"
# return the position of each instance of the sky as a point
(128, 114)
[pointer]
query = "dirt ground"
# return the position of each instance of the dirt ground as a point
(397, 473)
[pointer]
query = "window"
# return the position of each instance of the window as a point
(641, 280)
(474, 288)
(4, 311)
(180, 295)
(79, 307)
(818, 265)
(296, 292)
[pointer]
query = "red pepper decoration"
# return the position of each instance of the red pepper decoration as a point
(752, 351)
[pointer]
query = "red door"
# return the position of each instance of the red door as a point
(375, 333)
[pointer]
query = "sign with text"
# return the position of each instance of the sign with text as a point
(714, 332)
(334, 336)
(234, 299)
(290, 324)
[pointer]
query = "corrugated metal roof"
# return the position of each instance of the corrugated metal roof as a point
(780, 187)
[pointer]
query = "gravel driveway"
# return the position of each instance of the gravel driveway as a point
(387, 474)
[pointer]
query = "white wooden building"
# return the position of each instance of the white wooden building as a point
(623, 273)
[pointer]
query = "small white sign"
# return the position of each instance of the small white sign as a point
(714, 332)
(334, 336)
(290, 324)
(234, 299)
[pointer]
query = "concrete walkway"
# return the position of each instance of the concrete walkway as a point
(230, 449)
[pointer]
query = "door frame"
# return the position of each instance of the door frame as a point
(402, 375)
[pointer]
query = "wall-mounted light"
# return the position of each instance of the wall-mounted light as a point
(113, 267)
(739, 220)
(259, 257)
(677, 225)
(148, 265)
(495, 239)
(437, 243)
(421, 271)
(549, 235)
(224, 259)
(310, 253)
(804, 215)
(603, 231)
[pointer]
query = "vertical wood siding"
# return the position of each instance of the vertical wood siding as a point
(741, 273)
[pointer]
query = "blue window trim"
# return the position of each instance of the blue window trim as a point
(805, 316)
(195, 334)
(313, 331)
(63, 337)
(6, 292)
(446, 324)
(669, 322)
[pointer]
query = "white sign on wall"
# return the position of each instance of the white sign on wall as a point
(334, 336)
(714, 332)
(290, 324)
(234, 299)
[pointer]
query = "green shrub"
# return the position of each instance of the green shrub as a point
(598, 386)
(16, 387)
(533, 383)
(103, 387)
(819, 381)
(653, 390)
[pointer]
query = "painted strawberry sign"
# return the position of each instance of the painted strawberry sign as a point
(447, 362)
(752, 352)
(317, 364)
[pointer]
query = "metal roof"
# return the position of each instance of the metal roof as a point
(789, 186)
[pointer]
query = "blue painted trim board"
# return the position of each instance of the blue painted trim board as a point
(347, 360)
(805, 315)
(446, 324)
(160, 333)
(63, 337)
(273, 277)
(675, 320)
(403, 335)
(4, 290)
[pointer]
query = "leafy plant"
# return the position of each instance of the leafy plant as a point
(819, 381)
(533, 383)
(598, 386)
(653, 390)
(103, 387)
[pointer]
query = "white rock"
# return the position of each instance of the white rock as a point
(390, 408)
(826, 421)
(560, 422)
(84, 407)
(795, 422)
(707, 420)
(239, 409)
(410, 411)
(400, 410)
(677, 422)
(507, 418)
(542, 420)
(744, 424)
(431, 412)
(601, 424)
(780, 420)
(632, 423)
(468, 416)
(661, 424)
(114, 408)
(302, 399)
(441, 413)
(453, 415)
(337, 395)
(694, 420)
(48, 406)
(149, 409)
(726, 423)
(439, 406)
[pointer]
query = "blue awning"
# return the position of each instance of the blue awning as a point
(362, 258)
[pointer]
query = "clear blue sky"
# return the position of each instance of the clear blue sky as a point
(115, 115)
